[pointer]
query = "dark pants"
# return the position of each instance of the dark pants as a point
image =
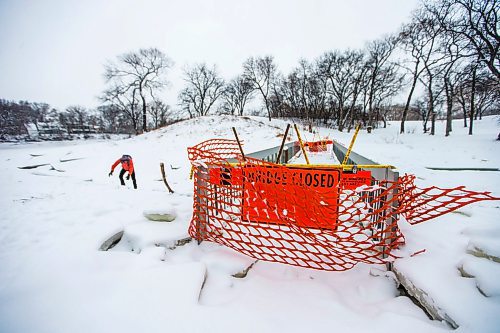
(122, 173)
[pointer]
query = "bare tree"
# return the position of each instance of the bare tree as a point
(433, 60)
(282, 98)
(487, 94)
(433, 90)
(450, 78)
(313, 90)
(286, 96)
(477, 91)
(159, 113)
(114, 120)
(236, 95)
(346, 75)
(462, 93)
(204, 87)
(301, 93)
(359, 82)
(126, 100)
(472, 98)
(419, 43)
(388, 85)
(261, 72)
(13, 117)
(379, 65)
(474, 23)
(76, 117)
(42, 112)
(137, 73)
(336, 67)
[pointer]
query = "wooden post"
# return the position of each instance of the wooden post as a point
(191, 173)
(282, 144)
(301, 144)
(200, 206)
(162, 168)
(239, 143)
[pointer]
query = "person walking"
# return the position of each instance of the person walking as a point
(127, 166)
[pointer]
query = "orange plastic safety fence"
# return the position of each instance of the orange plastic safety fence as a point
(313, 218)
(421, 204)
(214, 150)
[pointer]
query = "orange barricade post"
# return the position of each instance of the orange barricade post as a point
(321, 218)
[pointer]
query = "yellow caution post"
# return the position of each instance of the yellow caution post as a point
(346, 158)
(301, 143)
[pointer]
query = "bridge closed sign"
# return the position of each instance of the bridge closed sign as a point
(281, 196)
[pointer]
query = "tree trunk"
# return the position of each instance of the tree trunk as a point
(133, 116)
(266, 102)
(465, 114)
(449, 106)
(370, 99)
(472, 106)
(144, 124)
(267, 108)
(351, 117)
(430, 110)
(407, 105)
(433, 123)
(471, 121)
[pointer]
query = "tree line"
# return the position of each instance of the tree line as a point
(445, 60)
(449, 49)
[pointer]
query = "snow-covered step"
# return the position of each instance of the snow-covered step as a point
(424, 299)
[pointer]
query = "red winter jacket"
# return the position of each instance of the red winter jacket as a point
(127, 164)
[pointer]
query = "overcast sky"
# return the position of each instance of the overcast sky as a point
(53, 51)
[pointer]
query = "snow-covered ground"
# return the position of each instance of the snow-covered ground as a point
(54, 218)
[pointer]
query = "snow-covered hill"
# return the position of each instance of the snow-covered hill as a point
(54, 218)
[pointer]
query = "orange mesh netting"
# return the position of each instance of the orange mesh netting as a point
(316, 218)
(317, 146)
(419, 205)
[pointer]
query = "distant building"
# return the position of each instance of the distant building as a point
(43, 130)
(83, 129)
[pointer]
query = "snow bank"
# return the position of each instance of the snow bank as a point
(55, 217)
